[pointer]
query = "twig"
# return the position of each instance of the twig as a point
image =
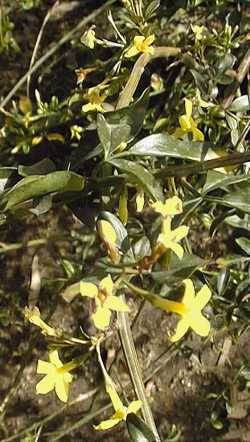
(54, 48)
(38, 40)
(192, 169)
(242, 72)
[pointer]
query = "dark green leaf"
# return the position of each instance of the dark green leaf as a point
(140, 176)
(39, 185)
(239, 198)
(217, 180)
(244, 244)
(111, 135)
(43, 167)
(162, 145)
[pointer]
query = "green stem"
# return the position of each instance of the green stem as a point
(137, 71)
(130, 354)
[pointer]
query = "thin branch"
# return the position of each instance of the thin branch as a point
(55, 48)
(38, 41)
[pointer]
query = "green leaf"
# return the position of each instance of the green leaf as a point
(180, 270)
(141, 176)
(121, 126)
(140, 249)
(162, 145)
(217, 180)
(244, 244)
(239, 198)
(43, 167)
(240, 223)
(240, 104)
(39, 185)
(138, 430)
(111, 135)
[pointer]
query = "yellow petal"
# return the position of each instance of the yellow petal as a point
(54, 359)
(179, 132)
(105, 425)
(134, 407)
(116, 401)
(88, 289)
(44, 367)
(197, 134)
(181, 329)
(88, 107)
(131, 52)
(149, 40)
(185, 123)
(200, 325)
(171, 207)
(138, 41)
(101, 318)
(188, 107)
(62, 388)
(189, 293)
(45, 385)
(117, 304)
(180, 233)
(106, 231)
(177, 248)
(203, 297)
(107, 285)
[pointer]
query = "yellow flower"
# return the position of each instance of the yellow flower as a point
(187, 124)
(139, 200)
(141, 44)
(33, 316)
(104, 299)
(57, 376)
(170, 238)
(189, 309)
(76, 132)
(88, 38)
(171, 207)
(108, 236)
(95, 101)
(121, 412)
(198, 31)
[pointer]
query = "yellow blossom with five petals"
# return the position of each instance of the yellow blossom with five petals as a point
(95, 101)
(141, 45)
(121, 412)
(57, 376)
(171, 207)
(170, 238)
(104, 299)
(189, 309)
(187, 124)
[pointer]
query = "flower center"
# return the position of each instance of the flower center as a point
(102, 296)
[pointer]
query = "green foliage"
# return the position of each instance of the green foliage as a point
(155, 173)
